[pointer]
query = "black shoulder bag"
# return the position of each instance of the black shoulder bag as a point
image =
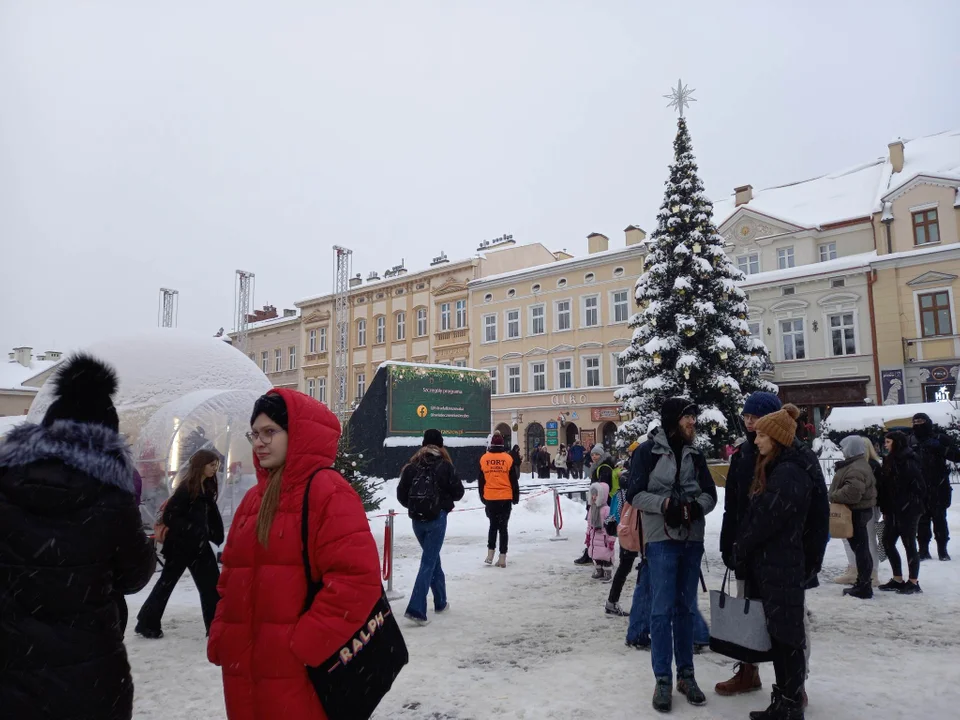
(353, 681)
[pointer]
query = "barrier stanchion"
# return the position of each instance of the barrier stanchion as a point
(388, 556)
(557, 516)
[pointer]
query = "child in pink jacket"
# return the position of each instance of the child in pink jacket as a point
(600, 545)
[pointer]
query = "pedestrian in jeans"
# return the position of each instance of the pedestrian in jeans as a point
(674, 490)
(499, 486)
(855, 486)
(900, 497)
(428, 488)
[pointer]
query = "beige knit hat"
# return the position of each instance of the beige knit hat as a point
(781, 425)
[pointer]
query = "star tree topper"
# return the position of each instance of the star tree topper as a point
(680, 97)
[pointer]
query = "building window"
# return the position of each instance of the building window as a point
(538, 373)
(935, 314)
(445, 317)
(536, 287)
(264, 361)
(793, 345)
(361, 333)
(591, 367)
(536, 320)
(749, 264)
(323, 339)
(461, 314)
(489, 328)
(564, 374)
(278, 360)
(842, 334)
(252, 357)
(312, 388)
(511, 293)
(837, 282)
(513, 324)
(488, 297)
(788, 290)
(563, 315)
(589, 278)
(926, 229)
(828, 251)
(785, 258)
(513, 379)
(493, 380)
(618, 272)
(459, 363)
(591, 311)
(292, 351)
(754, 327)
(401, 326)
(322, 389)
(621, 309)
(381, 330)
(361, 385)
(562, 282)
(619, 371)
(421, 322)
(312, 341)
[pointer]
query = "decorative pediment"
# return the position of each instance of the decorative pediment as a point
(918, 180)
(512, 356)
(835, 298)
(317, 316)
(535, 351)
(450, 285)
(931, 277)
(619, 342)
(489, 358)
(746, 226)
(590, 346)
(562, 348)
(790, 305)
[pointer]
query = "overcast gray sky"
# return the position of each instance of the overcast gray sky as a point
(149, 144)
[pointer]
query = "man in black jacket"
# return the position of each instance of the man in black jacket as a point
(71, 539)
(934, 450)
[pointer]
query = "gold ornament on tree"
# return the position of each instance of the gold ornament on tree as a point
(656, 358)
(723, 354)
(688, 332)
(686, 373)
(696, 248)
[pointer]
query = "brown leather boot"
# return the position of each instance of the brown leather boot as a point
(746, 679)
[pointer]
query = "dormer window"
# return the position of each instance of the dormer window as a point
(926, 228)
(749, 264)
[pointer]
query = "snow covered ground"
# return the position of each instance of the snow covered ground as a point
(532, 640)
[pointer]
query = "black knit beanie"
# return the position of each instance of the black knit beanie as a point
(84, 388)
(273, 406)
(433, 437)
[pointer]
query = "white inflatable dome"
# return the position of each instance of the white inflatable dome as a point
(180, 392)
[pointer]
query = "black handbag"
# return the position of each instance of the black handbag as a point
(353, 681)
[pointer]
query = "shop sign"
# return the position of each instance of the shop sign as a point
(552, 440)
(605, 413)
(939, 373)
(551, 425)
(568, 399)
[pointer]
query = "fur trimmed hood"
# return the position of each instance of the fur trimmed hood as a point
(93, 449)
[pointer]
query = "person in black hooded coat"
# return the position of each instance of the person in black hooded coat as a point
(934, 450)
(71, 537)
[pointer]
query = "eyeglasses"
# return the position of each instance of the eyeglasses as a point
(264, 436)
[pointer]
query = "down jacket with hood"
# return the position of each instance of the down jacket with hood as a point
(854, 483)
(71, 542)
(259, 637)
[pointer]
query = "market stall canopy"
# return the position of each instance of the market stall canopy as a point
(855, 419)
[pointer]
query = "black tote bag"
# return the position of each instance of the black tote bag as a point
(353, 681)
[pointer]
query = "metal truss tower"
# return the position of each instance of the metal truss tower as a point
(341, 284)
(169, 308)
(243, 294)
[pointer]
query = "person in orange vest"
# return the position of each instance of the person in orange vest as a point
(499, 486)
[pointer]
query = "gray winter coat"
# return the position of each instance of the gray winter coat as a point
(653, 474)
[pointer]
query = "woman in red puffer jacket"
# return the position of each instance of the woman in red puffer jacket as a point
(259, 636)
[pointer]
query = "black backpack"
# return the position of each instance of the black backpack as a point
(424, 499)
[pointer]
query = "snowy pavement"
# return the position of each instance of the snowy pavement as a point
(532, 640)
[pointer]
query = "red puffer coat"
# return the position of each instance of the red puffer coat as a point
(258, 636)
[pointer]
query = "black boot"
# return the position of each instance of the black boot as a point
(942, 551)
(790, 708)
(663, 695)
(687, 685)
(583, 559)
(864, 591)
(773, 710)
(925, 553)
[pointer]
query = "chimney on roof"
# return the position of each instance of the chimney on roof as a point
(744, 194)
(635, 235)
(896, 155)
(269, 312)
(356, 281)
(23, 355)
(597, 242)
(289, 313)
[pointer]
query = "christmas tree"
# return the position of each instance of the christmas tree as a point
(690, 335)
(351, 464)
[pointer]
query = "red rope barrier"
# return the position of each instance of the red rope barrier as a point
(387, 555)
(557, 514)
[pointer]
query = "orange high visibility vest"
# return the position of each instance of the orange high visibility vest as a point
(496, 475)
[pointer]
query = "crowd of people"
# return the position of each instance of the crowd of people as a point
(301, 572)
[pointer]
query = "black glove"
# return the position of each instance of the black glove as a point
(673, 515)
(696, 511)
(611, 528)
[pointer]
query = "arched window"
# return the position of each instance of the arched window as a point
(361, 333)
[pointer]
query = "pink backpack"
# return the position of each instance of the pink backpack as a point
(628, 529)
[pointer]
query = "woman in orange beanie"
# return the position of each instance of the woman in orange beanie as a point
(769, 554)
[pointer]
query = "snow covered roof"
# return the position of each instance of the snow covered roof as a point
(854, 419)
(261, 324)
(584, 260)
(13, 374)
(827, 267)
(855, 192)
(429, 365)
